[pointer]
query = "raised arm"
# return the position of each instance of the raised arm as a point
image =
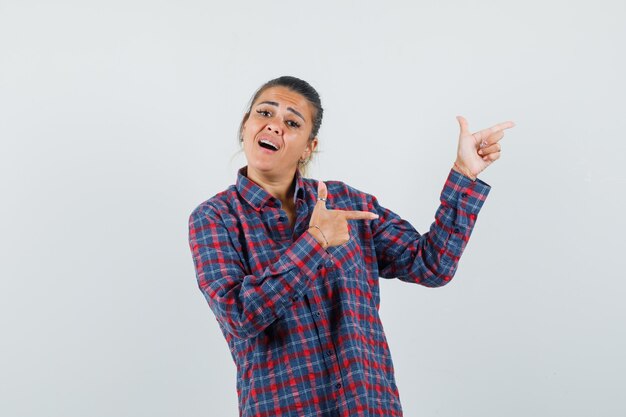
(432, 259)
(429, 259)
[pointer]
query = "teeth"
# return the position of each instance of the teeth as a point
(269, 143)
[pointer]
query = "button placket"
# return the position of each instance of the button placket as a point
(329, 356)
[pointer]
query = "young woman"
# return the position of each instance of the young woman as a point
(290, 265)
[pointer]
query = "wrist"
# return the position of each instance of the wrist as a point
(464, 171)
(317, 234)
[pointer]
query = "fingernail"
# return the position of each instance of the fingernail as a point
(480, 152)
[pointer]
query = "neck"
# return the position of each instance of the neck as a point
(281, 187)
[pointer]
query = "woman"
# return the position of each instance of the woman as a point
(290, 265)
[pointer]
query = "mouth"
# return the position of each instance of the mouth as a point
(269, 144)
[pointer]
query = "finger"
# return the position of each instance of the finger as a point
(322, 191)
(463, 125)
(494, 138)
(491, 157)
(358, 215)
(491, 139)
(496, 147)
(485, 133)
(502, 126)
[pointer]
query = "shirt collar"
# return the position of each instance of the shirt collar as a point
(257, 197)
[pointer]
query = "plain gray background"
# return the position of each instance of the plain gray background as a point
(117, 118)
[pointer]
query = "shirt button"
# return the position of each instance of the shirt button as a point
(464, 195)
(319, 266)
(295, 297)
(281, 219)
(338, 385)
(317, 313)
(456, 230)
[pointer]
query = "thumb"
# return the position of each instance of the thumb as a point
(322, 191)
(463, 125)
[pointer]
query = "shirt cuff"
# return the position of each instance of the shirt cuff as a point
(460, 191)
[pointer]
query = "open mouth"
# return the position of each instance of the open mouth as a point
(264, 143)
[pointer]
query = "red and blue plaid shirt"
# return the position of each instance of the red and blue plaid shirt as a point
(302, 323)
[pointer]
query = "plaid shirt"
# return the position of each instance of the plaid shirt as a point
(302, 323)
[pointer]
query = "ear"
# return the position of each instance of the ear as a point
(242, 126)
(244, 120)
(310, 148)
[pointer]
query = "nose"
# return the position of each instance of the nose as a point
(273, 127)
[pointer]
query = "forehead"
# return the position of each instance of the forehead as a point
(286, 98)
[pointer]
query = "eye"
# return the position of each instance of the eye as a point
(292, 123)
(263, 113)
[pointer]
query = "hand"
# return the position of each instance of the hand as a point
(476, 151)
(333, 224)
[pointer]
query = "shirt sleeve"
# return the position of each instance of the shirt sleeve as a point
(245, 304)
(429, 259)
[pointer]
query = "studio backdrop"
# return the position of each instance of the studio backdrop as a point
(117, 118)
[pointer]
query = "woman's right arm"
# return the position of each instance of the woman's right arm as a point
(246, 304)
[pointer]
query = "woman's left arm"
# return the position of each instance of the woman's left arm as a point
(431, 259)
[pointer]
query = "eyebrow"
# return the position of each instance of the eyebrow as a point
(294, 111)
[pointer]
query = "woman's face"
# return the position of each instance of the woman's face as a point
(276, 133)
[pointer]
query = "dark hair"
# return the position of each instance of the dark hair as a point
(298, 86)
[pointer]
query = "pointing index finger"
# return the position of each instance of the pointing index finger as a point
(359, 215)
(485, 133)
